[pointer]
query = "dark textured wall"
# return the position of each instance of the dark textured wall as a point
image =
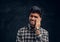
(13, 15)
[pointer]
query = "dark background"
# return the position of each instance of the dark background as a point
(14, 15)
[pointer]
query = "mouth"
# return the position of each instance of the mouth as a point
(32, 22)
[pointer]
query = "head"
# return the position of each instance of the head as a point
(35, 13)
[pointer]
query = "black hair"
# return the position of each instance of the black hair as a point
(36, 9)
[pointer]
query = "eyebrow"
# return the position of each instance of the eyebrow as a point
(33, 16)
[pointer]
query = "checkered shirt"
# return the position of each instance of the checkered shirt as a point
(26, 34)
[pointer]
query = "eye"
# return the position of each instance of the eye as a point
(35, 16)
(31, 16)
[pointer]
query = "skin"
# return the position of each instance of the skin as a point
(35, 21)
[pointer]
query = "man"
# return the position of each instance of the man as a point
(33, 32)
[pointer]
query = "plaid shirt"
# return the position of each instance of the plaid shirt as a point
(26, 34)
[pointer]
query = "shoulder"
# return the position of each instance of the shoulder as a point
(22, 29)
(44, 31)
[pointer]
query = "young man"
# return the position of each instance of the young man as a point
(33, 32)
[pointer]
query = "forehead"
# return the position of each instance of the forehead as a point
(34, 14)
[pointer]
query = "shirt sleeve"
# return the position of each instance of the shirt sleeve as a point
(18, 37)
(38, 37)
(43, 37)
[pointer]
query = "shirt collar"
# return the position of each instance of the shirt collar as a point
(29, 26)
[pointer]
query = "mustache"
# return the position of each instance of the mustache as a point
(32, 20)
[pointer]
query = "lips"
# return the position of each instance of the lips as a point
(32, 22)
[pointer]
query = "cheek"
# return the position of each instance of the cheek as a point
(29, 18)
(40, 19)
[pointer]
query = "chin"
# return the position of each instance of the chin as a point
(32, 25)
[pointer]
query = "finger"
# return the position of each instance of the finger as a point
(38, 21)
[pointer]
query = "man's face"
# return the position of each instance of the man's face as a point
(33, 17)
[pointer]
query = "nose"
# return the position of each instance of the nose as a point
(33, 18)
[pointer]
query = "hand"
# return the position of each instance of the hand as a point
(37, 26)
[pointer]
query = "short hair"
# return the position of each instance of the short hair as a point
(36, 9)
